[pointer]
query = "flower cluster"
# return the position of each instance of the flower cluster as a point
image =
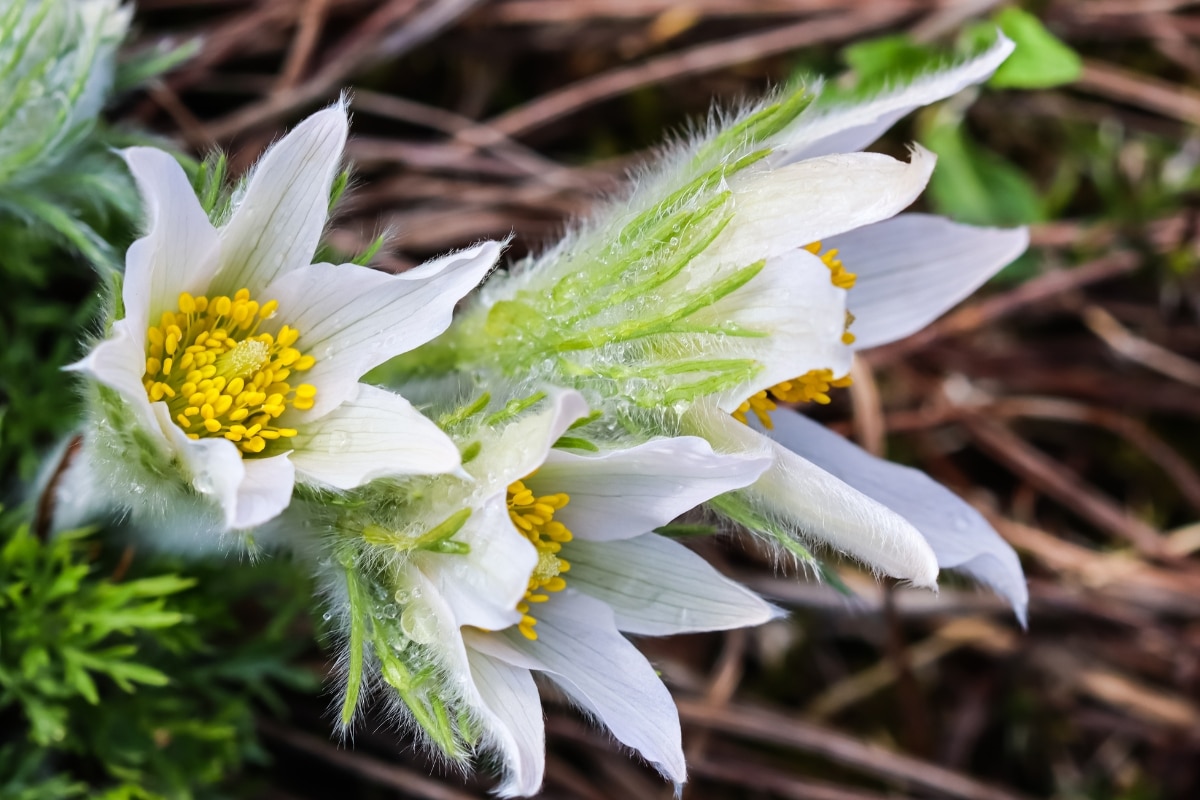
(519, 519)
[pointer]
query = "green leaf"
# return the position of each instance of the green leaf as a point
(889, 58)
(1041, 59)
(975, 185)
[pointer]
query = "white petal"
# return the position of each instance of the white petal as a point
(824, 508)
(912, 268)
(786, 208)
(484, 586)
(373, 434)
(214, 465)
(119, 362)
(352, 318)
(658, 587)
(180, 248)
(524, 445)
(279, 220)
(961, 538)
(625, 493)
(265, 491)
(795, 303)
(512, 718)
(845, 128)
(579, 648)
(439, 629)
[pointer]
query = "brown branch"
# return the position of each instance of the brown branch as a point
(695, 60)
(764, 726)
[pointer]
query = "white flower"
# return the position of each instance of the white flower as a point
(561, 561)
(237, 361)
(894, 276)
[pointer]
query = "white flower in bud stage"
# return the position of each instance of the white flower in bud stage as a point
(558, 559)
(738, 273)
(59, 57)
(234, 372)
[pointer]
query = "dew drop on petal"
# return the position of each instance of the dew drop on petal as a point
(339, 441)
(418, 624)
(204, 482)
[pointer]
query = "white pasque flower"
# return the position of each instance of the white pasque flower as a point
(851, 275)
(239, 360)
(561, 561)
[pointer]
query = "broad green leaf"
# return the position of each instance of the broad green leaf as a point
(977, 186)
(1040, 61)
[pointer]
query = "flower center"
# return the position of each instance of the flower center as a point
(219, 376)
(814, 385)
(534, 519)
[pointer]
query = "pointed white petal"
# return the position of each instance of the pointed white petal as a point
(625, 493)
(786, 208)
(119, 362)
(524, 445)
(352, 318)
(579, 648)
(795, 303)
(658, 587)
(214, 465)
(484, 586)
(824, 508)
(180, 248)
(959, 535)
(433, 624)
(845, 128)
(912, 268)
(279, 220)
(511, 712)
(373, 434)
(265, 491)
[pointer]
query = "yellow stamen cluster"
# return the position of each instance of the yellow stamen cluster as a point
(534, 519)
(814, 385)
(811, 387)
(219, 376)
(841, 277)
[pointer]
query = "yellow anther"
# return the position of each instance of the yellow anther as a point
(838, 274)
(533, 518)
(216, 372)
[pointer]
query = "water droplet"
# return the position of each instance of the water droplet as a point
(339, 441)
(328, 615)
(389, 611)
(418, 624)
(401, 596)
(204, 482)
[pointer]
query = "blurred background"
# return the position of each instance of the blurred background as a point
(1063, 400)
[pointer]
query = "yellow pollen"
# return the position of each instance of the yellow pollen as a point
(219, 376)
(841, 277)
(811, 387)
(533, 518)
